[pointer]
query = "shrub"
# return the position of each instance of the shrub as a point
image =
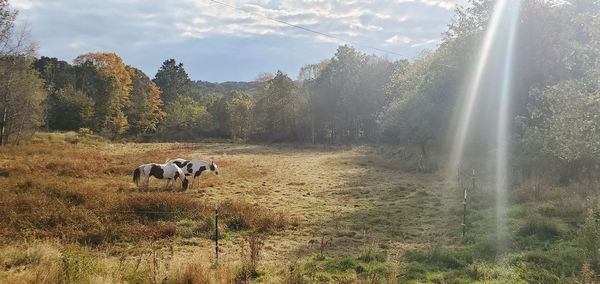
(560, 262)
(541, 228)
(488, 272)
(343, 265)
(161, 230)
(78, 264)
(16, 258)
(440, 257)
(293, 274)
(487, 247)
(250, 258)
(242, 216)
(67, 169)
(372, 253)
(587, 275)
(191, 273)
(589, 238)
(532, 273)
(161, 206)
(100, 236)
(85, 132)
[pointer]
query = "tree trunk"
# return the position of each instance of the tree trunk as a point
(5, 100)
(312, 128)
(3, 123)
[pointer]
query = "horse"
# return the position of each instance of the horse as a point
(168, 171)
(195, 168)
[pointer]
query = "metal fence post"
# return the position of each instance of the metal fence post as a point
(217, 234)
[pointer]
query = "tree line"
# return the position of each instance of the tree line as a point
(351, 97)
(100, 92)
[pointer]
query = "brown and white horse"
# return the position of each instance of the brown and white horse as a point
(168, 171)
(195, 168)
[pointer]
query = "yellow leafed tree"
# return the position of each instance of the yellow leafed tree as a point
(116, 86)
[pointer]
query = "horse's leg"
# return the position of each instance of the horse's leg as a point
(145, 184)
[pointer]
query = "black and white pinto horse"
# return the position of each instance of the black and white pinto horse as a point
(167, 171)
(194, 168)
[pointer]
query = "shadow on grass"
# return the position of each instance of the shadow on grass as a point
(387, 205)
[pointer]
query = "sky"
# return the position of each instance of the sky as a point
(217, 43)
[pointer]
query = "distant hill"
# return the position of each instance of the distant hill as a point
(224, 88)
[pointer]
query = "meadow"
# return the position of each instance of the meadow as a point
(287, 214)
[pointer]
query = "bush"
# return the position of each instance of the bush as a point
(487, 272)
(242, 216)
(293, 274)
(191, 273)
(343, 265)
(162, 206)
(250, 258)
(18, 258)
(440, 257)
(541, 228)
(373, 253)
(78, 264)
(532, 273)
(589, 238)
(487, 247)
(100, 236)
(559, 262)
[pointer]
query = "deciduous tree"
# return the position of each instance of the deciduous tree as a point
(146, 109)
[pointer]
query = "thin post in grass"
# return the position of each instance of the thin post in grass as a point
(464, 223)
(473, 181)
(216, 234)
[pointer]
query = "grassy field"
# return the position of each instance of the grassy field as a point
(290, 214)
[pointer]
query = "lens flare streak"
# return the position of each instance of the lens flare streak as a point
(495, 57)
(484, 56)
(503, 151)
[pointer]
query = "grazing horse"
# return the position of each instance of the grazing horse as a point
(167, 171)
(195, 168)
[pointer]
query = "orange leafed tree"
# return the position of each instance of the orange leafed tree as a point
(111, 65)
(155, 101)
(113, 97)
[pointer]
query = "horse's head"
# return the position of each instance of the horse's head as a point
(213, 168)
(184, 183)
(181, 174)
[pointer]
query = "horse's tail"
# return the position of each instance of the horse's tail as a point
(136, 175)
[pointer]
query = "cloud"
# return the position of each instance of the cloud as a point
(22, 4)
(66, 28)
(398, 39)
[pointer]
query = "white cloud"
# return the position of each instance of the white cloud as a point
(398, 39)
(21, 4)
(142, 30)
(372, 22)
(426, 42)
(445, 4)
(368, 21)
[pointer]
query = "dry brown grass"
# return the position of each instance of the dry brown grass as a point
(95, 217)
(82, 194)
(193, 269)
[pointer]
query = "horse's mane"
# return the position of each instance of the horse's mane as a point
(202, 161)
